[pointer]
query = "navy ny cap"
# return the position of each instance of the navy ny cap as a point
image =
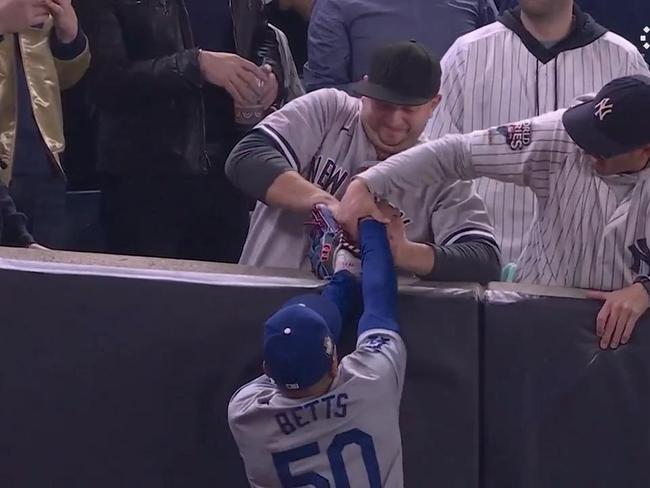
(299, 341)
(612, 123)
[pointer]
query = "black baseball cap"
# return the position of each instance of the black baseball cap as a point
(403, 73)
(613, 122)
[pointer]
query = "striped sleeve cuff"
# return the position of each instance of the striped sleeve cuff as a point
(283, 146)
(459, 235)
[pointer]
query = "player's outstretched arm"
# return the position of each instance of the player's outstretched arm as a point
(344, 291)
(378, 279)
(381, 353)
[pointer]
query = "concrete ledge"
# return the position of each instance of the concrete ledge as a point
(29, 259)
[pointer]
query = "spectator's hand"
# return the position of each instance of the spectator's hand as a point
(620, 313)
(37, 246)
(270, 88)
(66, 24)
(332, 203)
(396, 231)
(239, 77)
(357, 202)
(18, 15)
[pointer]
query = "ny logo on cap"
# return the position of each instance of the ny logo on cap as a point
(604, 108)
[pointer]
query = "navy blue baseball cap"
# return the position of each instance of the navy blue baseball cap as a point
(613, 122)
(299, 341)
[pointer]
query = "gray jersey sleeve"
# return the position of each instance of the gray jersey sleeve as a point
(380, 357)
(524, 153)
(459, 212)
(299, 127)
(248, 425)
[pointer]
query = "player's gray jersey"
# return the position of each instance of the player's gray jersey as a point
(322, 137)
(350, 433)
(590, 231)
(490, 77)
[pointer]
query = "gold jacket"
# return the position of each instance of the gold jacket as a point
(46, 76)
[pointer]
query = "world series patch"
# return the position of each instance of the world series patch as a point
(518, 135)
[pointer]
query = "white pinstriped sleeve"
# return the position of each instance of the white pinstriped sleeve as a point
(635, 65)
(523, 153)
(448, 158)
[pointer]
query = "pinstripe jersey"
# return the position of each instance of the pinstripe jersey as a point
(589, 231)
(491, 76)
(321, 135)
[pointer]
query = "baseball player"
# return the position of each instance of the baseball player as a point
(307, 152)
(587, 166)
(312, 420)
(535, 59)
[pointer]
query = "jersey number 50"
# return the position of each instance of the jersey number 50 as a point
(282, 460)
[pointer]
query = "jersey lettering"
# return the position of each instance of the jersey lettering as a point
(517, 136)
(301, 416)
(327, 176)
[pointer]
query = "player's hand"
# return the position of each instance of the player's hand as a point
(243, 80)
(357, 203)
(66, 24)
(620, 313)
(270, 88)
(18, 15)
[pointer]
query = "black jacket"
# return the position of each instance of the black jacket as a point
(13, 229)
(147, 85)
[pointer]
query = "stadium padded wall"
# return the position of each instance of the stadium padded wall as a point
(558, 412)
(112, 381)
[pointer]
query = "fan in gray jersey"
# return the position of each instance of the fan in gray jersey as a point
(312, 421)
(535, 59)
(588, 167)
(307, 153)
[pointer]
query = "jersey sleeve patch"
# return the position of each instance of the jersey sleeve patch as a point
(376, 343)
(517, 136)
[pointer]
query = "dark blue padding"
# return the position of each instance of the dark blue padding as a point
(558, 411)
(111, 382)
